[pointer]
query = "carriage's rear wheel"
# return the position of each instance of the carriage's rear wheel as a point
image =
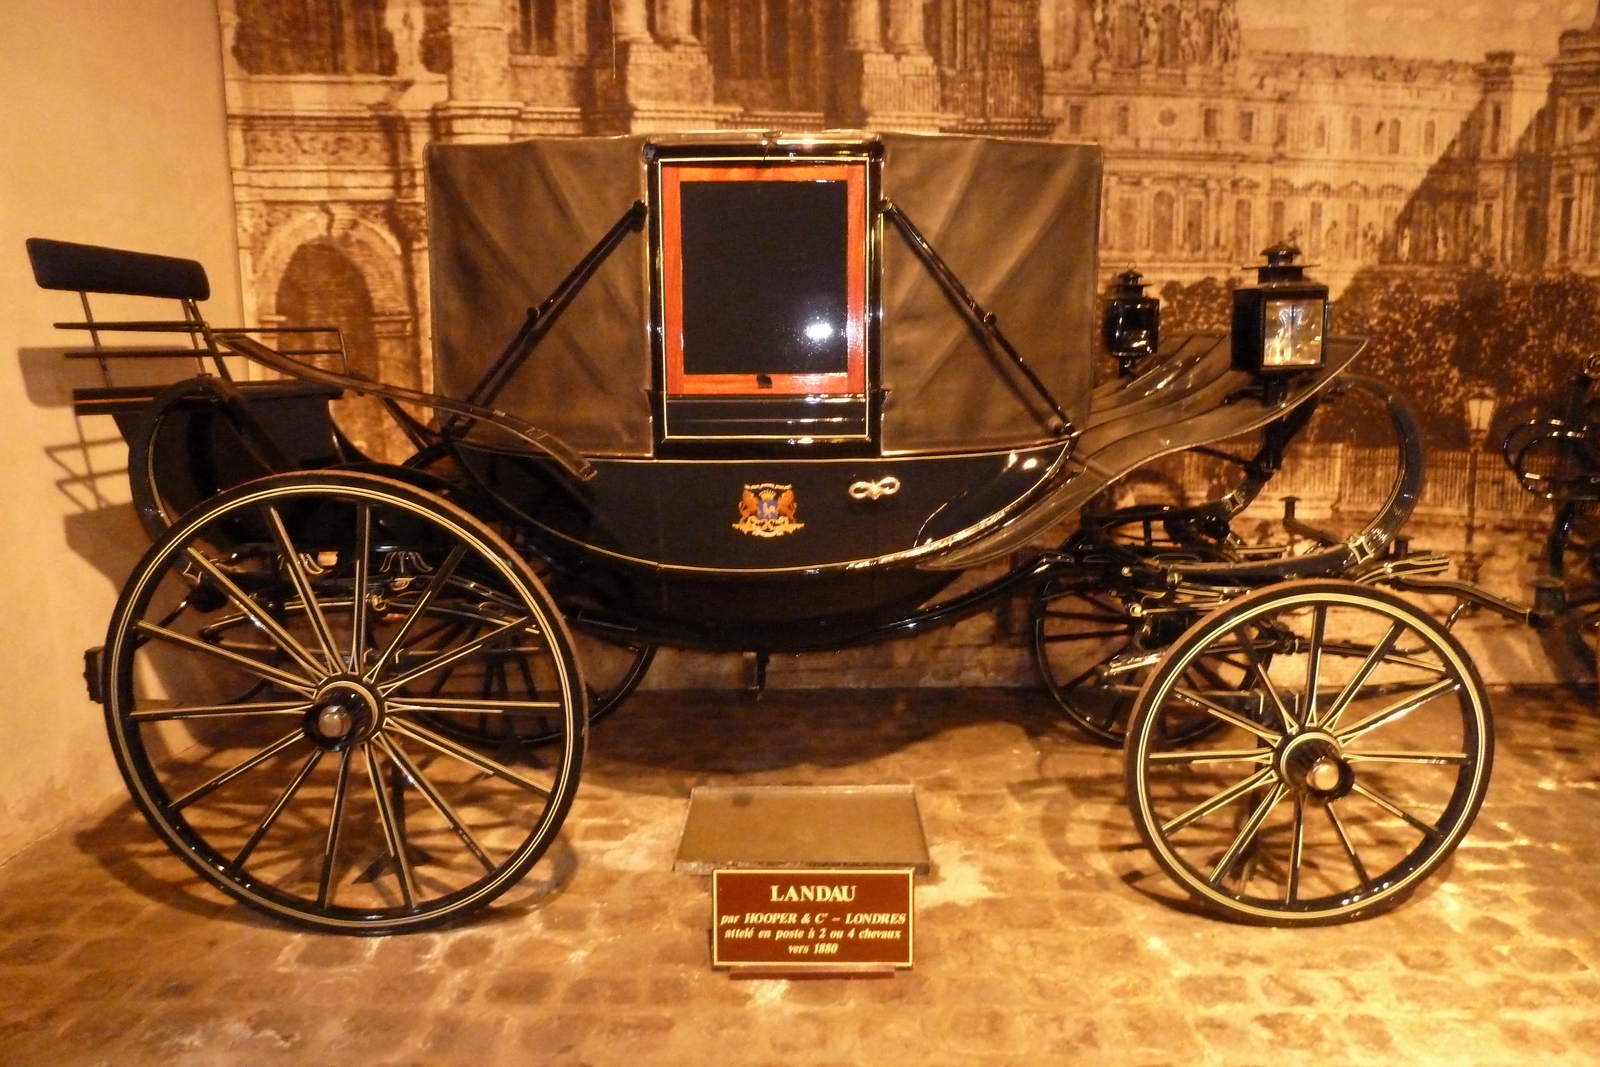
(1093, 654)
(1333, 785)
(271, 671)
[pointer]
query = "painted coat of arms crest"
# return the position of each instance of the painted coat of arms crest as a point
(767, 510)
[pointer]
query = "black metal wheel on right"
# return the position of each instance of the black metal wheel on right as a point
(1333, 785)
(1572, 557)
(272, 676)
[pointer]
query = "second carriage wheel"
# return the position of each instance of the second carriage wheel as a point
(1076, 631)
(611, 672)
(1337, 782)
(271, 672)
(612, 668)
(1092, 655)
(1572, 557)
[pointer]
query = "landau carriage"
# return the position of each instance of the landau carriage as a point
(780, 394)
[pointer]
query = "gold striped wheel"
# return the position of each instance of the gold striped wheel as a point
(272, 675)
(1352, 752)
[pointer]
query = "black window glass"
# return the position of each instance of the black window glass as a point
(765, 277)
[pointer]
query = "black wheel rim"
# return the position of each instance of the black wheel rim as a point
(274, 727)
(1337, 782)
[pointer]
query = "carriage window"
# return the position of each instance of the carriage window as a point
(763, 272)
(765, 277)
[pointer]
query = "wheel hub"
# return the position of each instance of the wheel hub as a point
(346, 711)
(1312, 764)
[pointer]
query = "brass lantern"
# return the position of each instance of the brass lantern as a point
(1280, 324)
(1132, 323)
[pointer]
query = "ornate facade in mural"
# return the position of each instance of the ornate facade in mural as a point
(1213, 151)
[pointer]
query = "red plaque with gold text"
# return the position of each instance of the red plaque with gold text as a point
(839, 918)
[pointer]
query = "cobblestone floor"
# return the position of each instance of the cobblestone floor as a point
(1045, 934)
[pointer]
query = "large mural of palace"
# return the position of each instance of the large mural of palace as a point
(1381, 169)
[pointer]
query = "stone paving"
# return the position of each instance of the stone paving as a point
(1044, 934)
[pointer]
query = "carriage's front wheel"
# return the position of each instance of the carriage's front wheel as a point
(1336, 782)
(272, 671)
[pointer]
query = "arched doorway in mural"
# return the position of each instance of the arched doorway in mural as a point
(322, 287)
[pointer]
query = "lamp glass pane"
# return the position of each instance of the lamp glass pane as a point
(1293, 333)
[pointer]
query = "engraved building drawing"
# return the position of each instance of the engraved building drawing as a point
(1213, 151)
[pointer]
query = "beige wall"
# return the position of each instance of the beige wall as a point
(111, 132)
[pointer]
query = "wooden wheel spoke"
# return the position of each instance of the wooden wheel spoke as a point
(1363, 672)
(275, 630)
(435, 799)
(1319, 626)
(457, 654)
(466, 755)
(237, 863)
(1397, 657)
(442, 679)
(1396, 810)
(330, 849)
(1211, 707)
(439, 579)
(211, 786)
(1247, 833)
(1397, 709)
(1081, 677)
(393, 829)
(1221, 800)
(504, 706)
(1085, 635)
(302, 585)
(214, 711)
(1406, 757)
(1349, 849)
(261, 670)
(1290, 724)
(1239, 755)
(1297, 848)
(358, 586)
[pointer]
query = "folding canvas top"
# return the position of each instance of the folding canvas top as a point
(1015, 222)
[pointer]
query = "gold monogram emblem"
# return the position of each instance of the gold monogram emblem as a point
(767, 510)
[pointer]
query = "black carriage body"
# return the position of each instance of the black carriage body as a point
(787, 411)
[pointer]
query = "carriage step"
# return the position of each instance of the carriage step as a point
(91, 672)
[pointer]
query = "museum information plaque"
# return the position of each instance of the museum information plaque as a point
(822, 826)
(800, 920)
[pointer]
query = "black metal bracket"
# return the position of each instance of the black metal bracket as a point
(985, 322)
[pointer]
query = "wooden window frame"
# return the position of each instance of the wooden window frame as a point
(680, 383)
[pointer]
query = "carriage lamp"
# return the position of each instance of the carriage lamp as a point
(1132, 323)
(1280, 324)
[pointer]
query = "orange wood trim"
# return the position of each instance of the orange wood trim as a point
(854, 379)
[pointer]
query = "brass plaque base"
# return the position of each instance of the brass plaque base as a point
(802, 826)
